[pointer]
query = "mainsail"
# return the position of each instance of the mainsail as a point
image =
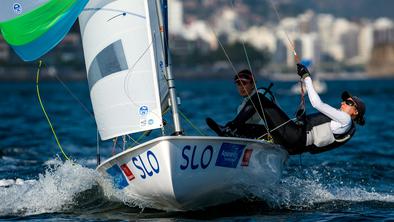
(124, 62)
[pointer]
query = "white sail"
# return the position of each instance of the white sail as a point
(122, 60)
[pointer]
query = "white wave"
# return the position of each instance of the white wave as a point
(291, 193)
(10, 182)
(294, 193)
(56, 189)
(131, 199)
(53, 191)
(91, 162)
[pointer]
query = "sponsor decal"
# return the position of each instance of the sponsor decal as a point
(117, 176)
(17, 7)
(142, 122)
(229, 155)
(143, 110)
(246, 157)
(127, 172)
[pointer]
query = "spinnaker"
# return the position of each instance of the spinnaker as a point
(33, 28)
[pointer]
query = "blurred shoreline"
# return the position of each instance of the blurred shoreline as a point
(27, 74)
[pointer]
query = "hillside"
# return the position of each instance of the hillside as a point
(262, 10)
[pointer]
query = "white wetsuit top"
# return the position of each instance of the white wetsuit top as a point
(340, 121)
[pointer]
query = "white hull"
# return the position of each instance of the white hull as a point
(186, 173)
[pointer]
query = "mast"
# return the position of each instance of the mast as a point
(163, 20)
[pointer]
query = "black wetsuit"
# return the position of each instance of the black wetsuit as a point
(287, 133)
(290, 135)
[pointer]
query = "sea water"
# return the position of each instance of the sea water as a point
(354, 182)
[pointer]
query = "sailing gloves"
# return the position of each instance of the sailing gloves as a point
(302, 71)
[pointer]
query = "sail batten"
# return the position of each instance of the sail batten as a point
(123, 61)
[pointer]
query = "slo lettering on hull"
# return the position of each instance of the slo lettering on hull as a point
(228, 156)
(146, 163)
(147, 166)
(193, 160)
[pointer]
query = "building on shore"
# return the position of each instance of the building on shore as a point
(382, 57)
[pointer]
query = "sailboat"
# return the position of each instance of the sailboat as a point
(131, 84)
(126, 54)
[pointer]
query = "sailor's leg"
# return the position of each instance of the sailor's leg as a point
(283, 130)
(252, 131)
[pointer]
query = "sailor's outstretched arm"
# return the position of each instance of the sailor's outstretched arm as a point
(322, 107)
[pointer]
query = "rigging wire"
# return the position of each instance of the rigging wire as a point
(247, 58)
(98, 157)
(114, 146)
(86, 109)
(45, 113)
(254, 82)
(191, 124)
(92, 116)
(302, 103)
(277, 127)
(75, 97)
(124, 142)
(235, 71)
(98, 148)
(296, 58)
(224, 50)
(287, 35)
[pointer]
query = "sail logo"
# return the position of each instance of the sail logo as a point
(229, 155)
(144, 110)
(143, 122)
(17, 7)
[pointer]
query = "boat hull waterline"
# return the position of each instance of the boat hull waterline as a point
(176, 173)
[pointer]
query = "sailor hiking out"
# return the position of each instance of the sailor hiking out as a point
(259, 117)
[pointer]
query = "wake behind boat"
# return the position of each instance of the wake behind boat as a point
(131, 85)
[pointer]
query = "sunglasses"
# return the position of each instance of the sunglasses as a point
(350, 103)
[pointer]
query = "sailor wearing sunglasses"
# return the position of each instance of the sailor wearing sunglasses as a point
(325, 130)
(330, 127)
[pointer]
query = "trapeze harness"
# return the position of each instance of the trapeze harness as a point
(320, 137)
(320, 132)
